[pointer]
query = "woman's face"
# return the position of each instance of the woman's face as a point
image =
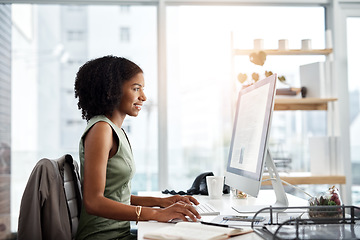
(133, 96)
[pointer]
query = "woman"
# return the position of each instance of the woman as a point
(109, 89)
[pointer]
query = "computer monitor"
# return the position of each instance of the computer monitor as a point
(249, 144)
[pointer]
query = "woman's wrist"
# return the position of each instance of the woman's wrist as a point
(160, 202)
(146, 201)
(148, 214)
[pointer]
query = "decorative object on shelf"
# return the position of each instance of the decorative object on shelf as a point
(258, 44)
(242, 77)
(255, 76)
(282, 79)
(268, 73)
(258, 58)
(283, 44)
(306, 44)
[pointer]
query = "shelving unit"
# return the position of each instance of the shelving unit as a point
(284, 52)
(283, 103)
(290, 104)
(306, 178)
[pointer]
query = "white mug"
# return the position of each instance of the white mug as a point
(215, 186)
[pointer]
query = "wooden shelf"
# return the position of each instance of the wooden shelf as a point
(284, 52)
(285, 104)
(309, 179)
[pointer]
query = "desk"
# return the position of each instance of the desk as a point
(224, 205)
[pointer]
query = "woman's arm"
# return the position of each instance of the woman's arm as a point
(162, 202)
(99, 145)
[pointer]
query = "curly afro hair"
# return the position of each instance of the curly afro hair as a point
(98, 84)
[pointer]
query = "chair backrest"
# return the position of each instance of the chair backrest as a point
(72, 187)
(51, 203)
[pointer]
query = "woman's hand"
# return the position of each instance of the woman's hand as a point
(179, 210)
(173, 207)
(168, 201)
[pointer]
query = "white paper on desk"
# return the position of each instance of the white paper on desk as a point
(191, 230)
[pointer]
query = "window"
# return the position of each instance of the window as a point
(202, 90)
(43, 86)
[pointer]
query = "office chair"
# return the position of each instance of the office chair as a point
(51, 203)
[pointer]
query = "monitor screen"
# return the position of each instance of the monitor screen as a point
(251, 129)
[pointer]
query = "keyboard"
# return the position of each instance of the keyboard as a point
(206, 209)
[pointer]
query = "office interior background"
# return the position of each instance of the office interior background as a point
(185, 49)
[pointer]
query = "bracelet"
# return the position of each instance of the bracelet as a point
(138, 212)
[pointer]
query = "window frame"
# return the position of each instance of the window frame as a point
(337, 15)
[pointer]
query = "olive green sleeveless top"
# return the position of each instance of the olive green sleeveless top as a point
(119, 172)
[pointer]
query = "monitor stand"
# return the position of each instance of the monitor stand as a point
(281, 199)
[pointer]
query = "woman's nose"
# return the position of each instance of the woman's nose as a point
(143, 97)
